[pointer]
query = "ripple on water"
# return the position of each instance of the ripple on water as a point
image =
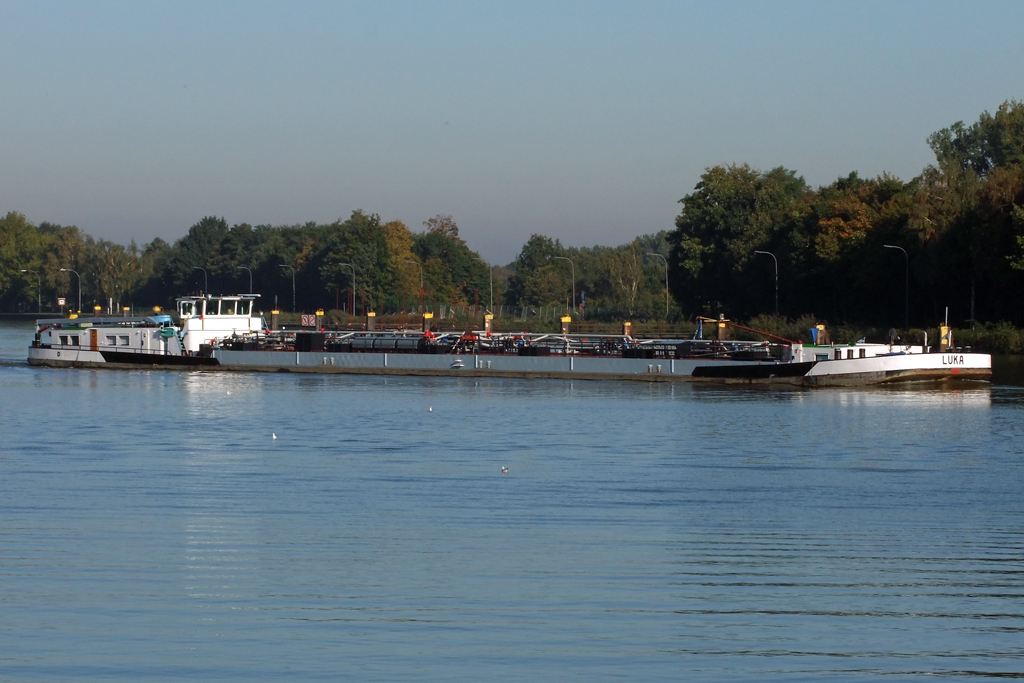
(151, 529)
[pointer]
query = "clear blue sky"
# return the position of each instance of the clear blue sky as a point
(585, 121)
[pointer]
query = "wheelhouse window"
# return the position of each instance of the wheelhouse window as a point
(244, 307)
(227, 306)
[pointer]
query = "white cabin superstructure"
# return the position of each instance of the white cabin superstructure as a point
(208, 319)
(97, 340)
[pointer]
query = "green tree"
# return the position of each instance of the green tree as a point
(22, 246)
(535, 280)
(454, 274)
(994, 140)
(199, 248)
(733, 211)
(835, 257)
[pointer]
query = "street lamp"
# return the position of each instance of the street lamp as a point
(418, 265)
(206, 280)
(250, 275)
(68, 270)
(776, 277)
(906, 305)
(39, 288)
(293, 284)
(566, 258)
(651, 253)
(349, 265)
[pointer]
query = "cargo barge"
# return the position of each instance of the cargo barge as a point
(225, 333)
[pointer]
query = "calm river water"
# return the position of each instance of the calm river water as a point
(153, 529)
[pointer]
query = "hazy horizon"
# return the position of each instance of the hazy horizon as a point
(586, 122)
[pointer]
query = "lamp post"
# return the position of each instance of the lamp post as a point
(293, 284)
(906, 302)
(68, 270)
(206, 280)
(39, 288)
(776, 277)
(566, 258)
(651, 253)
(250, 275)
(349, 265)
(418, 265)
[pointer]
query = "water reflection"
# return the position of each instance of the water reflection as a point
(954, 397)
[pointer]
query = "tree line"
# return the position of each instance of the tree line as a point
(859, 250)
(865, 250)
(359, 264)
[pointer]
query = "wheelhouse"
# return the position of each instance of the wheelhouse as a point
(242, 305)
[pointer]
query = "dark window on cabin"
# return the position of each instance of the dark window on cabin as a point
(63, 340)
(849, 353)
(863, 353)
(74, 340)
(839, 354)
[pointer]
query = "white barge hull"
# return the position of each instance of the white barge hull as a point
(911, 367)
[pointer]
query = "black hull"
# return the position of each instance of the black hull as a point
(752, 372)
(124, 358)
